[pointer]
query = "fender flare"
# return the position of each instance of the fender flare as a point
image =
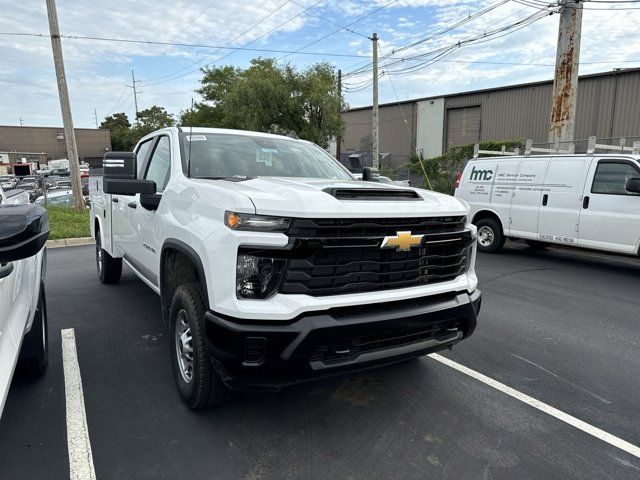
(189, 252)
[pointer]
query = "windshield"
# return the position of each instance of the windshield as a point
(223, 155)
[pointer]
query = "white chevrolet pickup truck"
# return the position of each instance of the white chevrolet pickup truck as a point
(274, 265)
(24, 229)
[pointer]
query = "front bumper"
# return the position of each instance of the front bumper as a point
(259, 355)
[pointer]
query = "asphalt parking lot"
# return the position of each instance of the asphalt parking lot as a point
(562, 327)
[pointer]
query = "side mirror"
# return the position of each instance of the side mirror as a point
(633, 185)
(120, 175)
(24, 230)
(150, 201)
(370, 174)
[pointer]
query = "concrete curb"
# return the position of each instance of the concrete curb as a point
(70, 242)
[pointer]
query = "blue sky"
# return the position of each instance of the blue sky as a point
(98, 72)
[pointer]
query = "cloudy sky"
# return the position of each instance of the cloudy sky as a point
(99, 72)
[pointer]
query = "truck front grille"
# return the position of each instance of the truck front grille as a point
(343, 259)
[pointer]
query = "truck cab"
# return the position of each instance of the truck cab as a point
(275, 265)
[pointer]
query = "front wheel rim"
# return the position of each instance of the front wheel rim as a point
(485, 236)
(184, 346)
(99, 257)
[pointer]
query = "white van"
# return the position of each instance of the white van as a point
(590, 201)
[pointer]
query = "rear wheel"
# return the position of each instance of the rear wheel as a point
(197, 380)
(34, 354)
(490, 236)
(109, 268)
(536, 245)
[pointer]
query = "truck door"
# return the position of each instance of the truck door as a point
(124, 234)
(610, 216)
(527, 196)
(145, 254)
(561, 199)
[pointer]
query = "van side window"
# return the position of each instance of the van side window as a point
(160, 164)
(611, 178)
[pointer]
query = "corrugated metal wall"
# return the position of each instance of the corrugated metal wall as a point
(397, 137)
(608, 106)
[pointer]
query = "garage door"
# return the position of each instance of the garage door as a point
(463, 126)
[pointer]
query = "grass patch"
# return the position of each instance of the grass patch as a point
(67, 223)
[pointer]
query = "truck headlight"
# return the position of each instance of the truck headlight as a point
(256, 223)
(257, 277)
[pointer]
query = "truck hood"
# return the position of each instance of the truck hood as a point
(304, 197)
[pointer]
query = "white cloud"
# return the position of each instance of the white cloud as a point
(98, 71)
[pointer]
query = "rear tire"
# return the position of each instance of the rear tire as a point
(109, 268)
(490, 236)
(536, 245)
(197, 380)
(34, 354)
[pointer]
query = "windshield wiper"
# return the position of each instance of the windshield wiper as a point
(234, 178)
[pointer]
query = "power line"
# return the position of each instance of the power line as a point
(332, 22)
(341, 28)
(243, 47)
(225, 45)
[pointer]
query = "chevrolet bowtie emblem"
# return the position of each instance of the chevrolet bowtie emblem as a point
(402, 242)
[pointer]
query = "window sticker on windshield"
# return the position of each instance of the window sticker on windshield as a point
(264, 155)
(195, 138)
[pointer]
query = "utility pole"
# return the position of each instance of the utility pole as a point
(95, 116)
(376, 145)
(339, 138)
(21, 122)
(63, 92)
(135, 93)
(565, 83)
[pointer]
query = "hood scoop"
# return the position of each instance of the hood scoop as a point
(379, 194)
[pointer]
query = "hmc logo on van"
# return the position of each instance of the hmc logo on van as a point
(481, 174)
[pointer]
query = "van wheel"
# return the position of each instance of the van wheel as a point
(109, 268)
(34, 354)
(490, 236)
(197, 380)
(536, 245)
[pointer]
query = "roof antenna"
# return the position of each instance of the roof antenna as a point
(190, 141)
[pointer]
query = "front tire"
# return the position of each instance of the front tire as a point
(34, 354)
(109, 268)
(490, 236)
(197, 380)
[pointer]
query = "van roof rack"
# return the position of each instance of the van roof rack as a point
(529, 149)
(592, 146)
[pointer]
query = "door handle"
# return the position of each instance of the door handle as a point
(545, 199)
(585, 202)
(114, 199)
(132, 205)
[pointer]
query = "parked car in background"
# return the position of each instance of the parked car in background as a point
(30, 185)
(59, 198)
(379, 178)
(8, 182)
(590, 201)
(61, 172)
(24, 230)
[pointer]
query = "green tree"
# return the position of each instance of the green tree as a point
(120, 128)
(266, 97)
(152, 119)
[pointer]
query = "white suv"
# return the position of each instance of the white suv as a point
(24, 230)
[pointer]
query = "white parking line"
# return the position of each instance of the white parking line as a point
(543, 407)
(79, 446)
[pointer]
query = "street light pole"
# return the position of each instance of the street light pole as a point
(376, 145)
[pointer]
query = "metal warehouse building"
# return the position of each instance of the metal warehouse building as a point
(608, 106)
(42, 144)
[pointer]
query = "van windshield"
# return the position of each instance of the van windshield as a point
(215, 155)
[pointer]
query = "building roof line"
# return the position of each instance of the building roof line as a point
(616, 72)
